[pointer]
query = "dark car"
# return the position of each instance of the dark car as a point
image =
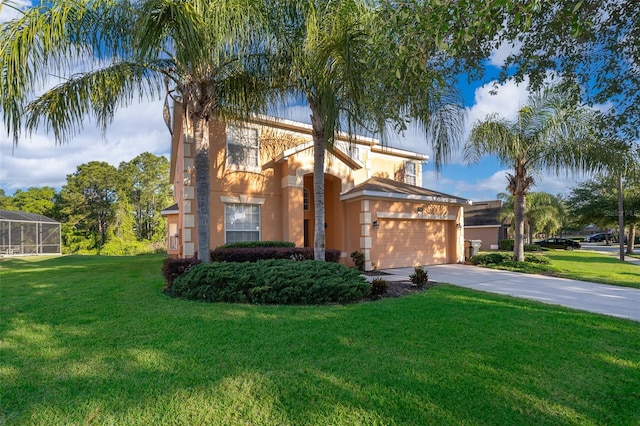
(596, 238)
(559, 243)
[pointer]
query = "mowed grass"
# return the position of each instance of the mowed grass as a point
(595, 267)
(580, 265)
(92, 340)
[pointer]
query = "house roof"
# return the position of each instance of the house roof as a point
(377, 187)
(354, 163)
(17, 216)
(483, 213)
(170, 210)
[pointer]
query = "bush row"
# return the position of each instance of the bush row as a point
(274, 281)
(253, 254)
(502, 257)
(255, 244)
(507, 245)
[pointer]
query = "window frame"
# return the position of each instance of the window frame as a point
(248, 227)
(229, 142)
(408, 175)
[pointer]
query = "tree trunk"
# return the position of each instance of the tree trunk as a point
(518, 213)
(631, 238)
(620, 217)
(319, 236)
(201, 162)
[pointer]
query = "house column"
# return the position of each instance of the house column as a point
(366, 223)
(292, 187)
(189, 232)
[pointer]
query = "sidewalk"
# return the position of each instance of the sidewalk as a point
(623, 302)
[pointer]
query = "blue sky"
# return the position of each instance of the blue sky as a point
(38, 161)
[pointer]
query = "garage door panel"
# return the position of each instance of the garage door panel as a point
(409, 242)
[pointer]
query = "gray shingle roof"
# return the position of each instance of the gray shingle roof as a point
(18, 216)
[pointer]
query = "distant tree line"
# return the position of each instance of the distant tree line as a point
(104, 209)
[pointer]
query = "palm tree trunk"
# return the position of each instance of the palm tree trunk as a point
(201, 162)
(518, 218)
(620, 218)
(631, 238)
(319, 236)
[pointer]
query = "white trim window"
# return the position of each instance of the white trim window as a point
(410, 172)
(243, 147)
(241, 222)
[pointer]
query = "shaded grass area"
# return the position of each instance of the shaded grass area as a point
(92, 340)
(581, 265)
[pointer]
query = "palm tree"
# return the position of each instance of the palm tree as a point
(544, 213)
(328, 56)
(550, 133)
(207, 55)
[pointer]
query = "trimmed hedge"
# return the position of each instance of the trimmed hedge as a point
(253, 254)
(503, 257)
(173, 267)
(272, 281)
(507, 245)
(255, 244)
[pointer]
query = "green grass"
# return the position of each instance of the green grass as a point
(581, 265)
(92, 340)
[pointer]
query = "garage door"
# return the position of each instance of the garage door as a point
(399, 243)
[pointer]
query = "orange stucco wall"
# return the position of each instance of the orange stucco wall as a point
(286, 168)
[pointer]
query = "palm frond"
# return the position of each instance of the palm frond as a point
(98, 94)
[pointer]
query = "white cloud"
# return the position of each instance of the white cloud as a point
(502, 52)
(38, 161)
(11, 9)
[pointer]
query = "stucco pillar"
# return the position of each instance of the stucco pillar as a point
(365, 234)
(292, 207)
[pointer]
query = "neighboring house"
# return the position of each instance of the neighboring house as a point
(23, 233)
(481, 223)
(262, 189)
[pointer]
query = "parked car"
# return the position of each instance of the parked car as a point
(597, 238)
(559, 243)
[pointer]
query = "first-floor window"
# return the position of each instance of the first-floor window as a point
(173, 236)
(241, 222)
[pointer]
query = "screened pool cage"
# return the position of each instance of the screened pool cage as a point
(28, 234)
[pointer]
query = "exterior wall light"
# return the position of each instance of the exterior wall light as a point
(420, 209)
(376, 224)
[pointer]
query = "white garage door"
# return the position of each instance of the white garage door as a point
(399, 243)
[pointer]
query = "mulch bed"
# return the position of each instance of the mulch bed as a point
(398, 288)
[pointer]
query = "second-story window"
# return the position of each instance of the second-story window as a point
(410, 172)
(243, 149)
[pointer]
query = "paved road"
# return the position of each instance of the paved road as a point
(611, 300)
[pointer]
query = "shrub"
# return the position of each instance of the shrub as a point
(274, 281)
(379, 286)
(253, 254)
(255, 244)
(506, 245)
(358, 259)
(532, 247)
(502, 258)
(419, 276)
(537, 258)
(490, 258)
(173, 267)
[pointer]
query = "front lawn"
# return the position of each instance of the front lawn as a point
(92, 340)
(581, 265)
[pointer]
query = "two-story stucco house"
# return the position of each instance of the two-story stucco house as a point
(261, 175)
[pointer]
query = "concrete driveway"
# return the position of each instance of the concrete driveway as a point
(604, 299)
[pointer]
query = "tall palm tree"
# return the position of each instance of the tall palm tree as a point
(327, 54)
(550, 133)
(207, 55)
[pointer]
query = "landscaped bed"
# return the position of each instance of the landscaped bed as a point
(92, 340)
